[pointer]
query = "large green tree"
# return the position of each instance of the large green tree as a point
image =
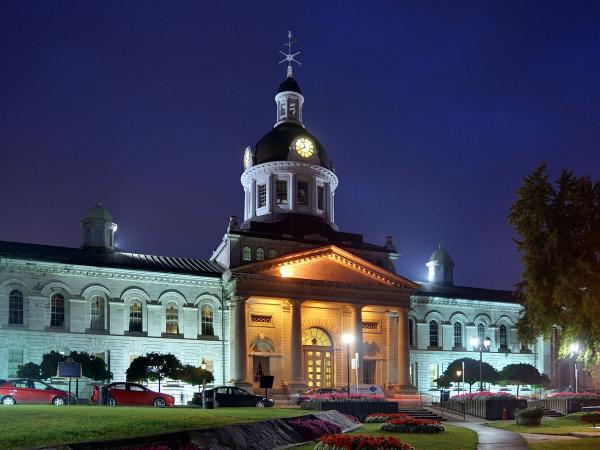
(91, 367)
(471, 375)
(155, 367)
(29, 370)
(558, 228)
(519, 374)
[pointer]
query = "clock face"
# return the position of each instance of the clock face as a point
(247, 158)
(305, 147)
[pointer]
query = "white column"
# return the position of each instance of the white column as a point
(292, 192)
(296, 356)
(358, 339)
(253, 199)
(403, 355)
(392, 351)
(239, 356)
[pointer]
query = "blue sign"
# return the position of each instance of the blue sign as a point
(69, 370)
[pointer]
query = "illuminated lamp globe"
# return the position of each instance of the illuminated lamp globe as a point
(487, 342)
(474, 341)
(347, 338)
(574, 347)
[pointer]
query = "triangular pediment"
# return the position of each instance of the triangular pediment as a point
(331, 264)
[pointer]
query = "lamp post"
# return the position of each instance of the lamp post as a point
(458, 374)
(481, 346)
(348, 339)
(203, 367)
(574, 349)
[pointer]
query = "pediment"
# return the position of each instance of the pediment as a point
(331, 264)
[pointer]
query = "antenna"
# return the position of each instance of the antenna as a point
(289, 56)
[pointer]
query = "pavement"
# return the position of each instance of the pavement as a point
(494, 438)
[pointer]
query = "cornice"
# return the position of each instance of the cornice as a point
(455, 302)
(289, 165)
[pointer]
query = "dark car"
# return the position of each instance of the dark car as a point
(312, 393)
(231, 396)
(24, 390)
(132, 394)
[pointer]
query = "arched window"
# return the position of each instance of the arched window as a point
(57, 311)
(247, 254)
(457, 334)
(97, 313)
(272, 253)
(480, 333)
(206, 314)
(433, 334)
(15, 307)
(260, 254)
(172, 319)
(411, 332)
(135, 316)
(503, 340)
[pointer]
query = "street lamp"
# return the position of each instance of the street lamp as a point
(458, 374)
(203, 367)
(348, 338)
(481, 346)
(574, 350)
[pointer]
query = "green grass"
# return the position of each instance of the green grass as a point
(455, 438)
(577, 444)
(561, 425)
(29, 425)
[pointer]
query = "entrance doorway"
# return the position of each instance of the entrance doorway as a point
(369, 371)
(318, 358)
(261, 365)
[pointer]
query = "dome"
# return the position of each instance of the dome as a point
(275, 145)
(442, 256)
(98, 212)
(289, 85)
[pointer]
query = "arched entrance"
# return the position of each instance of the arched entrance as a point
(318, 358)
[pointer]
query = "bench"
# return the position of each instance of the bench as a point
(588, 410)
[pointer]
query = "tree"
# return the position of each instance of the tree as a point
(471, 375)
(518, 374)
(558, 228)
(196, 376)
(91, 367)
(155, 367)
(29, 370)
(49, 365)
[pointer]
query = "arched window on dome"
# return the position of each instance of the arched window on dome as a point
(207, 319)
(503, 337)
(458, 334)
(272, 253)
(433, 334)
(247, 254)
(135, 317)
(260, 254)
(57, 311)
(172, 319)
(15, 307)
(97, 313)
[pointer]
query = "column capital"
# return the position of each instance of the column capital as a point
(236, 300)
(357, 306)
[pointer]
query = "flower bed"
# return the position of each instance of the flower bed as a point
(413, 425)
(336, 397)
(361, 441)
(353, 419)
(574, 395)
(484, 395)
(382, 418)
(357, 405)
(311, 429)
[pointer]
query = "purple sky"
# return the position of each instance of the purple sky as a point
(431, 111)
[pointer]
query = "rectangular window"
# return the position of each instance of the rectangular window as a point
(262, 195)
(281, 194)
(302, 193)
(261, 319)
(321, 198)
(15, 359)
(433, 374)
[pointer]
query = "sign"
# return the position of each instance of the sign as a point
(354, 363)
(266, 382)
(69, 369)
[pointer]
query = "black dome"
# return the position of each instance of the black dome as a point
(289, 85)
(275, 145)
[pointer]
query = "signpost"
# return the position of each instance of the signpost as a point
(69, 369)
(266, 383)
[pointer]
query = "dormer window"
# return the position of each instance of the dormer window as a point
(281, 192)
(320, 198)
(262, 195)
(302, 193)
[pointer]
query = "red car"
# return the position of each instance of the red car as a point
(31, 391)
(132, 394)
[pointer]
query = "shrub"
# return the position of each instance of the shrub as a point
(574, 395)
(361, 441)
(311, 429)
(413, 425)
(484, 395)
(591, 418)
(383, 417)
(529, 412)
(336, 397)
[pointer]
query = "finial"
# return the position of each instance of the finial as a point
(289, 56)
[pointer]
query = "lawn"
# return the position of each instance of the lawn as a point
(29, 425)
(575, 444)
(455, 438)
(561, 425)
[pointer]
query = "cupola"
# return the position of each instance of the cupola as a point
(440, 267)
(98, 229)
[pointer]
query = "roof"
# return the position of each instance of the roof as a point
(98, 212)
(115, 260)
(442, 256)
(275, 145)
(289, 85)
(469, 293)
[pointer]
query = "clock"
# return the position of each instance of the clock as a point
(247, 158)
(304, 147)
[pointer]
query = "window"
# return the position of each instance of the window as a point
(207, 321)
(41, 386)
(135, 316)
(260, 254)
(136, 388)
(272, 253)
(15, 308)
(302, 193)
(281, 194)
(261, 319)
(57, 311)
(434, 373)
(15, 359)
(97, 313)
(457, 334)
(247, 254)
(480, 333)
(433, 334)
(172, 319)
(503, 340)
(320, 198)
(262, 195)
(411, 332)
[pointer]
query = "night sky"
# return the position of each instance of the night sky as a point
(431, 111)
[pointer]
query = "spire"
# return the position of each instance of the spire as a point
(289, 56)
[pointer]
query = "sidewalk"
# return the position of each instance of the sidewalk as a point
(494, 438)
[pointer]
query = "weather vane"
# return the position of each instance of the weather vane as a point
(289, 56)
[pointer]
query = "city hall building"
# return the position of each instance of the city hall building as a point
(278, 295)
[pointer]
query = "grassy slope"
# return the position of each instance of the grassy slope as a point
(455, 438)
(561, 425)
(29, 425)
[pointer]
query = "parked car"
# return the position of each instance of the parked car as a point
(24, 390)
(231, 396)
(131, 394)
(312, 393)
